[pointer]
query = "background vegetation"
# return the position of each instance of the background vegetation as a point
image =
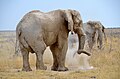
(106, 61)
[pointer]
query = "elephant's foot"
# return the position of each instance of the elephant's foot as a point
(26, 69)
(62, 69)
(54, 68)
(41, 67)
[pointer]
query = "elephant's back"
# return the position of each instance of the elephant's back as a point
(35, 11)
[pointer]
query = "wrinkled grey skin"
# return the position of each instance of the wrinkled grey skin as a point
(94, 31)
(38, 30)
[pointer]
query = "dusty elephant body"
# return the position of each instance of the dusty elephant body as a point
(37, 30)
(94, 31)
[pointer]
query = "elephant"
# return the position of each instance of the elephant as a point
(38, 30)
(94, 31)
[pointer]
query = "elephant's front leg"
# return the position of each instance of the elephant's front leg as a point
(59, 55)
(54, 50)
(62, 55)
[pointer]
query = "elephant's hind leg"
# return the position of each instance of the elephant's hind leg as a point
(26, 65)
(39, 49)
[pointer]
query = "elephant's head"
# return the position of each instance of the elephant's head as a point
(75, 24)
(74, 20)
(98, 32)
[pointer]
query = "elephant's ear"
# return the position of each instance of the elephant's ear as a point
(69, 19)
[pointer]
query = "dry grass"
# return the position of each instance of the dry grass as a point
(107, 65)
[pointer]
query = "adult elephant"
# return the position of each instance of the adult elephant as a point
(37, 30)
(94, 31)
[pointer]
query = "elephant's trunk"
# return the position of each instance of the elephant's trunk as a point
(100, 39)
(103, 30)
(81, 38)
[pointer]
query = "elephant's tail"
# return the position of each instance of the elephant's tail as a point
(17, 47)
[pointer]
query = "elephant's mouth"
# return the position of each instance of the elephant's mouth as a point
(81, 38)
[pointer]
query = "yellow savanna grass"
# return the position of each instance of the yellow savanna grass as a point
(106, 63)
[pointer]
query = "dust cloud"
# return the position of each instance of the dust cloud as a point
(75, 60)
